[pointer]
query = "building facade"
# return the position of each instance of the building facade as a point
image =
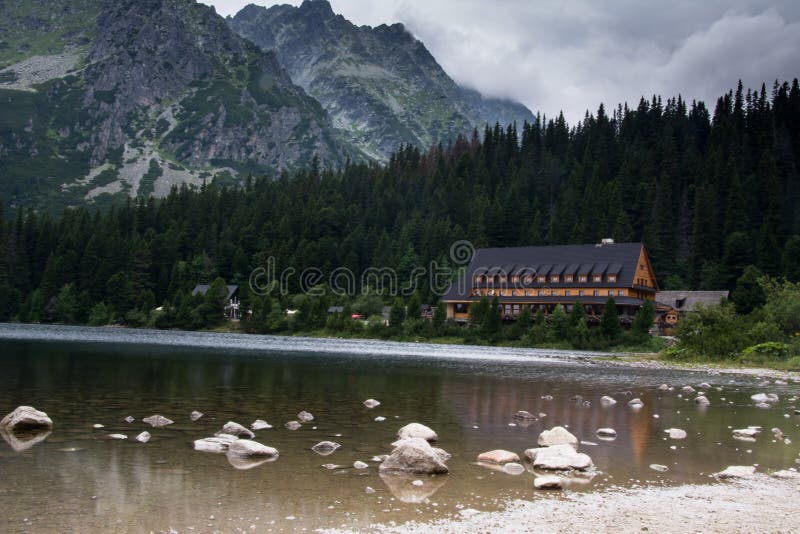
(544, 277)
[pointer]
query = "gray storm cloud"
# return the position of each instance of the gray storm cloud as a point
(571, 56)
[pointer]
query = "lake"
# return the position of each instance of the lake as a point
(78, 480)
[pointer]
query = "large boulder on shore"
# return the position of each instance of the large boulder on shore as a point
(415, 455)
(248, 449)
(558, 435)
(416, 430)
(559, 458)
(25, 419)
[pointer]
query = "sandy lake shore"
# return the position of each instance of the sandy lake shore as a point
(759, 504)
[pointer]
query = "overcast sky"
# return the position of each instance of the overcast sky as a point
(572, 55)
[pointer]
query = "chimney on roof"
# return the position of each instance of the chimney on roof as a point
(606, 241)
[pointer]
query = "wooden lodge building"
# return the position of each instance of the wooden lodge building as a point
(543, 277)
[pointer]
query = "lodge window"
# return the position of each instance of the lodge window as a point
(596, 293)
(554, 278)
(529, 292)
(539, 293)
(581, 293)
(582, 278)
(528, 279)
(612, 278)
(516, 309)
(611, 293)
(597, 278)
(490, 292)
(542, 279)
(515, 279)
(568, 278)
(567, 293)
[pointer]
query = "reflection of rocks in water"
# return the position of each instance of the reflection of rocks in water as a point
(244, 463)
(404, 489)
(21, 441)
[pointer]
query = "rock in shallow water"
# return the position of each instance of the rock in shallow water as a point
(218, 443)
(305, 416)
(195, 415)
(513, 468)
(25, 418)
(498, 456)
(371, 403)
(659, 467)
(737, 471)
(417, 430)
(607, 432)
(324, 448)
(358, 464)
(157, 421)
(129, 419)
(635, 403)
(676, 433)
(548, 482)
(117, 436)
(605, 400)
(248, 448)
(235, 429)
(558, 435)
(559, 458)
(260, 424)
(292, 425)
(415, 455)
(143, 437)
(524, 415)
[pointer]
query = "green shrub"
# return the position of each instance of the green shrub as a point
(766, 352)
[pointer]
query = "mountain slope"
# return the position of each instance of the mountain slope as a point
(163, 93)
(380, 85)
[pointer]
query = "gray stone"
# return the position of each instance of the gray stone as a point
(143, 437)
(498, 456)
(659, 467)
(548, 482)
(605, 400)
(371, 403)
(737, 471)
(513, 468)
(157, 421)
(324, 448)
(745, 432)
(417, 430)
(558, 435)
(129, 419)
(524, 415)
(607, 432)
(292, 425)
(663, 387)
(688, 389)
(635, 403)
(26, 418)
(701, 400)
(235, 429)
(559, 458)
(117, 436)
(676, 433)
(218, 443)
(260, 424)
(305, 416)
(358, 464)
(195, 415)
(249, 448)
(415, 455)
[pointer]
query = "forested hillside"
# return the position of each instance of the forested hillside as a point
(708, 191)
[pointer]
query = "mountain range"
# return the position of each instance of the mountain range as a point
(105, 99)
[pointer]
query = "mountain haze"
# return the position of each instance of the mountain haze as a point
(381, 86)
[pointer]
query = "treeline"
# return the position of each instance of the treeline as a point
(710, 192)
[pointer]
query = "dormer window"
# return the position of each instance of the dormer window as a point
(582, 278)
(612, 278)
(568, 278)
(554, 278)
(542, 279)
(597, 278)
(528, 279)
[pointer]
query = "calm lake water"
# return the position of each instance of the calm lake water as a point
(78, 480)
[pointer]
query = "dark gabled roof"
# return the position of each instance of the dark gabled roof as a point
(621, 259)
(203, 288)
(689, 300)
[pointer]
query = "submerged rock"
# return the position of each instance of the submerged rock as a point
(305, 416)
(195, 415)
(559, 458)
(524, 415)
(26, 418)
(737, 471)
(688, 389)
(415, 455)
(260, 424)
(635, 403)
(404, 489)
(249, 448)
(513, 468)
(558, 435)
(605, 400)
(324, 448)
(143, 437)
(157, 421)
(233, 428)
(745, 432)
(548, 482)
(371, 403)
(417, 430)
(498, 456)
(659, 467)
(701, 400)
(218, 443)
